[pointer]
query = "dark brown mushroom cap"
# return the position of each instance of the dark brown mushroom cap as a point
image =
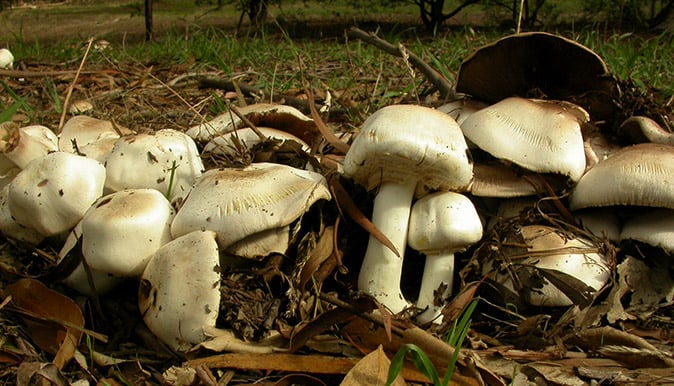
(539, 64)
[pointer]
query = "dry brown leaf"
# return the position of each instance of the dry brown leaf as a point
(55, 321)
(372, 370)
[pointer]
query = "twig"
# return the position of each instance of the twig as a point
(245, 120)
(210, 82)
(71, 87)
(439, 81)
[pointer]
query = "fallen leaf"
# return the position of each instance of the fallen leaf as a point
(372, 370)
(55, 321)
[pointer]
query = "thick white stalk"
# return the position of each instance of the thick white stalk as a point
(438, 270)
(381, 270)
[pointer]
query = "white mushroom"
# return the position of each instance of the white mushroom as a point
(441, 224)
(179, 291)
(122, 230)
(24, 144)
(164, 160)
(255, 202)
(12, 229)
(461, 109)
(549, 252)
(6, 59)
(540, 136)
(399, 148)
(239, 140)
(82, 130)
(52, 193)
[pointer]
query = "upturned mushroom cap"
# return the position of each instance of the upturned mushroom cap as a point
(462, 108)
(52, 193)
(179, 292)
(538, 136)
(644, 129)
(639, 175)
(229, 143)
(283, 117)
(550, 250)
(238, 203)
(397, 137)
(539, 63)
(158, 160)
(24, 144)
(122, 230)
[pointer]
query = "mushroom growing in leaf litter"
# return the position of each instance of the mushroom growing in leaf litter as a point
(24, 144)
(252, 205)
(401, 148)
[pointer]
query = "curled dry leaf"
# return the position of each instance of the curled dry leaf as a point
(55, 322)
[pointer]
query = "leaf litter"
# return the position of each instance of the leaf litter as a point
(302, 308)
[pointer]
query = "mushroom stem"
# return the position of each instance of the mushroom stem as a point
(381, 270)
(438, 270)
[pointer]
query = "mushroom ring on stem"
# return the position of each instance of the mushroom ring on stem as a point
(399, 148)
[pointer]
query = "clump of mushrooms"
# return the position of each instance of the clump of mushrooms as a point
(401, 148)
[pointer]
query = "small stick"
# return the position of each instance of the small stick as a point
(439, 81)
(73, 83)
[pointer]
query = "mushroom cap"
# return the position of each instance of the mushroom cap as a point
(226, 143)
(654, 228)
(237, 203)
(461, 109)
(400, 142)
(639, 175)
(52, 193)
(539, 136)
(12, 229)
(148, 160)
(179, 291)
(644, 129)
(540, 63)
(122, 230)
(444, 222)
(24, 144)
(552, 250)
(282, 117)
(6, 59)
(85, 130)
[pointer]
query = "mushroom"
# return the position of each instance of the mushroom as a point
(399, 148)
(541, 136)
(6, 59)
(82, 130)
(462, 108)
(639, 175)
(252, 205)
(441, 224)
(654, 227)
(551, 254)
(234, 142)
(536, 64)
(644, 129)
(282, 117)
(24, 144)
(121, 231)
(52, 193)
(166, 160)
(12, 229)
(179, 290)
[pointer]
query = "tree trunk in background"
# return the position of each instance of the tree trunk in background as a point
(148, 20)
(664, 20)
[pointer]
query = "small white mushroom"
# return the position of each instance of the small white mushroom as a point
(122, 230)
(83, 130)
(249, 204)
(179, 292)
(401, 148)
(164, 160)
(6, 59)
(24, 144)
(441, 224)
(52, 193)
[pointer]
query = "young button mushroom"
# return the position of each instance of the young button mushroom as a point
(399, 148)
(6, 59)
(82, 130)
(166, 159)
(52, 193)
(179, 290)
(441, 224)
(122, 230)
(250, 205)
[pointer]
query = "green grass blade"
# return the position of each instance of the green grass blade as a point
(420, 360)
